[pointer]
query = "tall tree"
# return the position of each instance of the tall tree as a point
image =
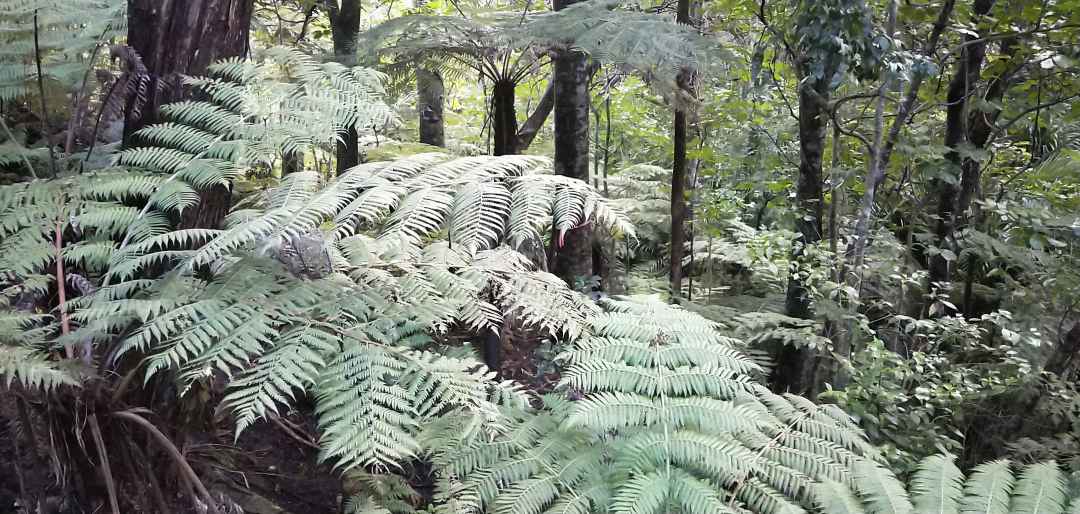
(573, 248)
(344, 30)
(885, 143)
(177, 38)
(678, 168)
(829, 35)
(963, 83)
(429, 104)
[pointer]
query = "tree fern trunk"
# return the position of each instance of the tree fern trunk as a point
(504, 118)
(678, 173)
(573, 249)
(183, 37)
(429, 103)
(344, 29)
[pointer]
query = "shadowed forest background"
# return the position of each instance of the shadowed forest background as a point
(510, 257)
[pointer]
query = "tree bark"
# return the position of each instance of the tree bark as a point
(883, 149)
(678, 172)
(344, 29)
(536, 120)
(573, 250)
(809, 196)
(183, 37)
(504, 122)
(429, 103)
(795, 366)
(291, 162)
(981, 124)
(948, 191)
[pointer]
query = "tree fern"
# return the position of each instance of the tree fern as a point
(669, 417)
(938, 486)
(651, 45)
(332, 289)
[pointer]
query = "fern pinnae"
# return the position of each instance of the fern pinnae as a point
(988, 489)
(477, 215)
(937, 486)
(880, 489)
(1040, 489)
(836, 498)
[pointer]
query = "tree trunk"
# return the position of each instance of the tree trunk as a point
(573, 250)
(678, 173)
(504, 124)
(956, 131)
(429, 103)
(344, 29)
(884, 147)
(981, 123)
(536, 120)
(678, 204)
(808, 193)
(183, 37)
(795, 366)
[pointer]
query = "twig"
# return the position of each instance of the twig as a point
(998, 131)
(11, 137)
(41, 92)
(291, 432)
(178, 458)
(77, 99)
(106, 470)
(97, 123)
(61, 287)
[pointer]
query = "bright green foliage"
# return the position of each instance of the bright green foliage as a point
(285, 102)
(381, 279)
(664, 414)
(333, 289)
(654, 46)
(939, 487)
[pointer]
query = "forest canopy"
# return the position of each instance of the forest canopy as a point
(509, 257)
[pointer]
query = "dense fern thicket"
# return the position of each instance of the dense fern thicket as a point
(656, 412)
(875, 309)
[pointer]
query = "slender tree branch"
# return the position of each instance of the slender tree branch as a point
(61, 287)
(97, 123)
(44, 107)
(1002, 128)
(536, 120)
(1008, 35)
(11, 137)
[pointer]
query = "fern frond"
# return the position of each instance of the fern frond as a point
(989, 488)
(32, 370)
(880, 489)
(937, 486)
